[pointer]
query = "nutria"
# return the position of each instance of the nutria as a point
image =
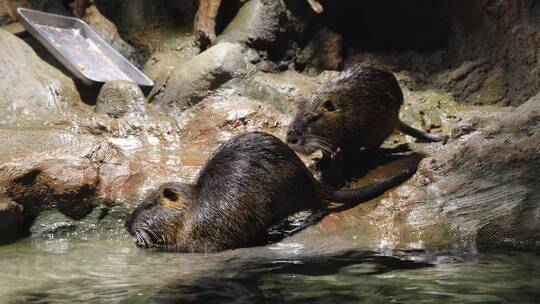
(359, 108)
(250, 183)
(356, 110)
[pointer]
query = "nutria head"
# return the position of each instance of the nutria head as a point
(159, 220)
(318, 125)
(339, 110)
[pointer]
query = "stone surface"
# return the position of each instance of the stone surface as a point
(75, 179)
(324, 52)
(268, 24)
(193, 80)
(134, 14)
(121, 99)
(257, 23)
(503, 40)
(32, 89)
(168, 60)
(11, 216)
(487, 186)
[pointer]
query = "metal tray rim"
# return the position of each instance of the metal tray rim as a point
(29, 25)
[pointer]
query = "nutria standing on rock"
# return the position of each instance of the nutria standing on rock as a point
(358, 109)
(251, 182)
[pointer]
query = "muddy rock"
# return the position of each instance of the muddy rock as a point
(31, 88)
(217, 119)
(258, 23)
(69, 184)
(502, 39)
(134, 14)
(194, 79)
(85, 172)
(168, 60)
(121, 99)
(72, 180)
(103, 221)
(487, 187)
(11, 216)
(324, 52)
(286, 89)
(267, 24)
(52, 223)
(21, 142)
(168, 47)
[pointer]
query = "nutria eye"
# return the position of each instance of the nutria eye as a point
(170, 194)
(329, 105)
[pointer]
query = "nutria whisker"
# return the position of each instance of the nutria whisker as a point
(147, 241)
(320, 144)
(150, 235)
(140, 240)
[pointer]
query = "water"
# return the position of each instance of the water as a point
(114, 271)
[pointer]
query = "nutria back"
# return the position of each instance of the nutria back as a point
(357, 108)
(250, 183)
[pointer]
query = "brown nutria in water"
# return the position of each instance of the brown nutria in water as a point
(357, 109)
(251, 182)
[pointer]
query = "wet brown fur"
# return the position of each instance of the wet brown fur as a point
(250, 183)
(365, 103)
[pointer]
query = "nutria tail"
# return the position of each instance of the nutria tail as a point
(402, 127)
(354, 197)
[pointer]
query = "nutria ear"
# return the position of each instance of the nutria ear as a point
(170, 194)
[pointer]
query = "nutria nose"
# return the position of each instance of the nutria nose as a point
(291, 137)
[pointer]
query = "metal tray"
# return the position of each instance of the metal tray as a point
(80, 48)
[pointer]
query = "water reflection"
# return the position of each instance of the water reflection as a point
(265, 282)
(114, 271)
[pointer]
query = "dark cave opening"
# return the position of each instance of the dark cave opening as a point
(388, 26)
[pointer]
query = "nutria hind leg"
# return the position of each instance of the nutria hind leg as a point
(291, 225)
(422, 135)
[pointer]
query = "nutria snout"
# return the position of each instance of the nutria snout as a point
(250, 183)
